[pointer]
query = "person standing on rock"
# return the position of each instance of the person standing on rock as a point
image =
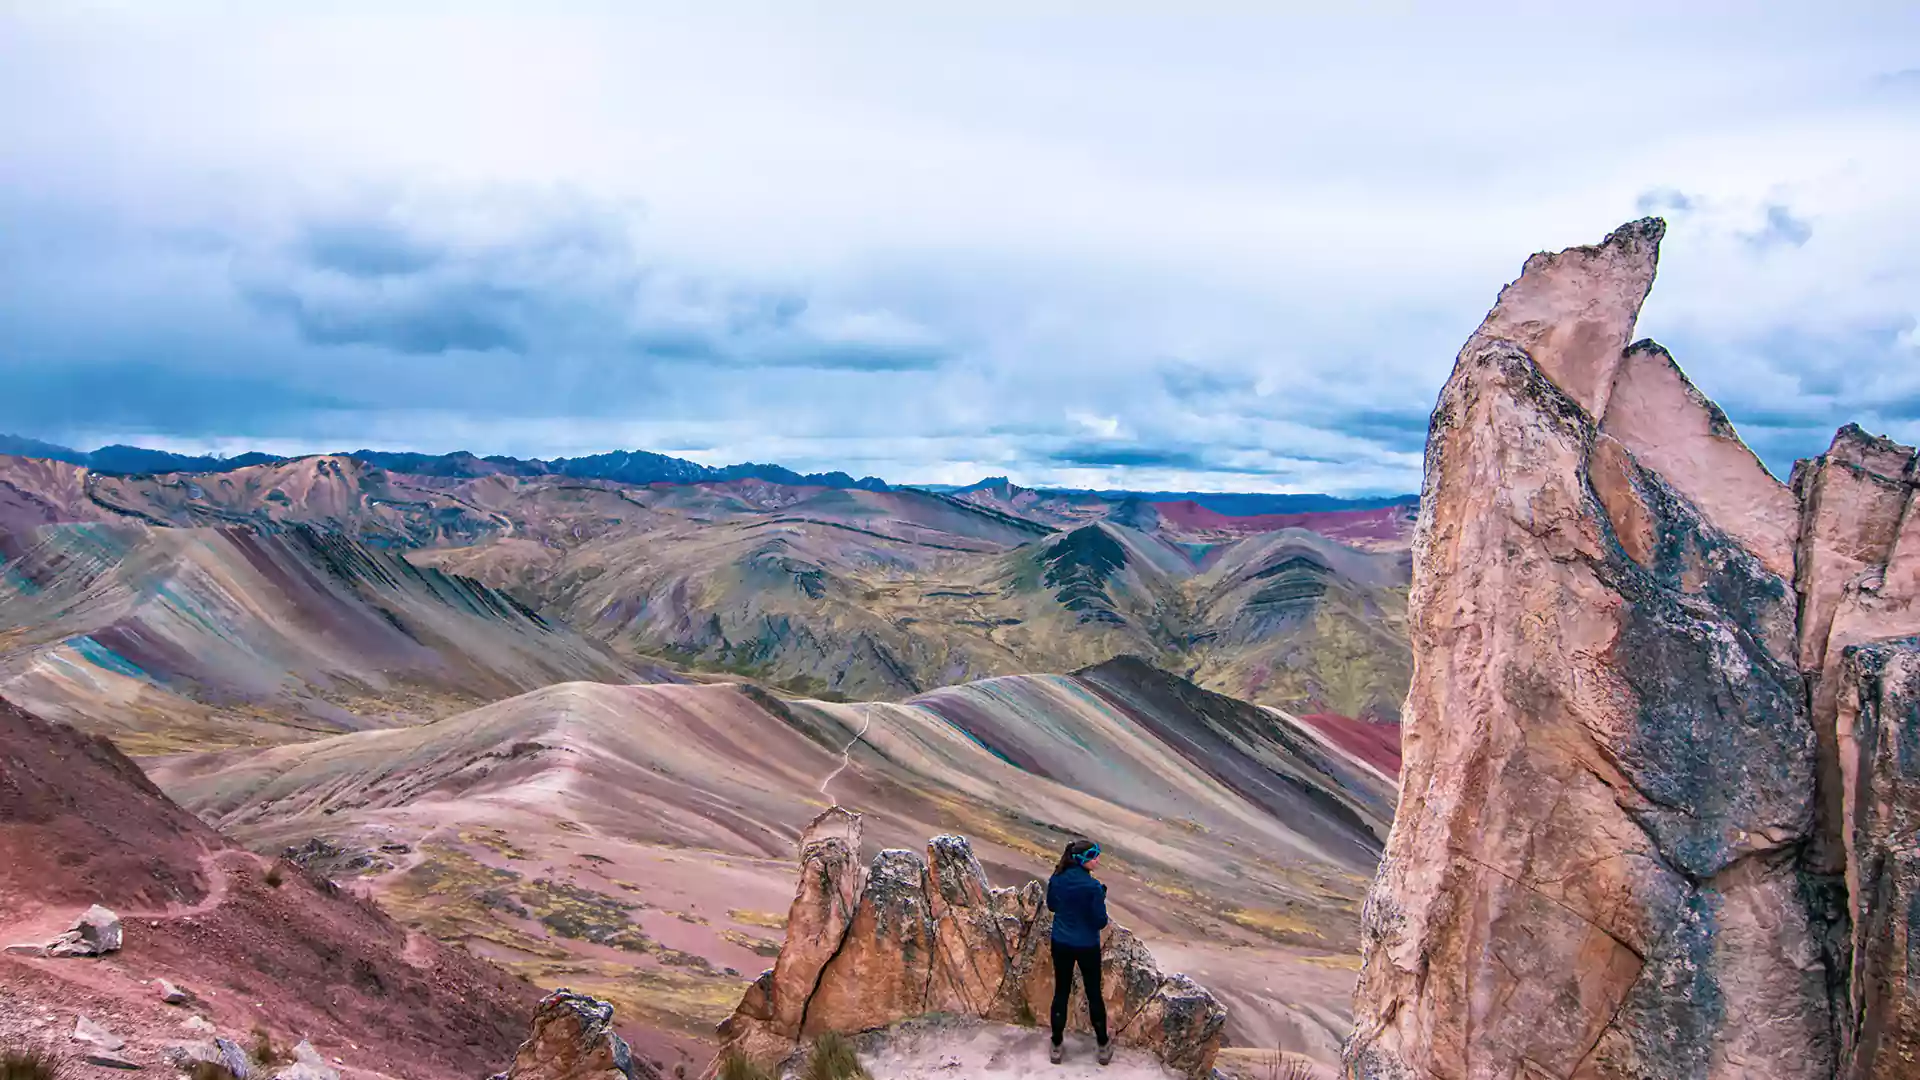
(1079, 906)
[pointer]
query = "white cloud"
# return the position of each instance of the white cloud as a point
(1019, 220)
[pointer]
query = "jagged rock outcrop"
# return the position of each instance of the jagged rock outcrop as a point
(917, 935)
(573, 1039)
(1634, 764)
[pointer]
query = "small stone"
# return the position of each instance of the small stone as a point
(173, 995)
(307, 1065)
(234, 1058)
(197, 1023)
(26, 950)
(86, 1031)
(106, 1059)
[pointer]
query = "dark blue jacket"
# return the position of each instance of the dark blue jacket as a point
(1079, 906)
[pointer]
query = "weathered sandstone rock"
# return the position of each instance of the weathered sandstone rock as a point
(1574, 312)
(831, 882)
(1608, 763)
(884, 965)
(932, 935)
(1879, 707)
(573, 1039)
(970, 949)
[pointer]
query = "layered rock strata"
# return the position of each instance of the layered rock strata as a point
(1638, 755)
(911, 936)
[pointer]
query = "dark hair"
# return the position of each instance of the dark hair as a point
(1077, 854)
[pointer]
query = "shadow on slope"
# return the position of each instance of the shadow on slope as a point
(178, 638)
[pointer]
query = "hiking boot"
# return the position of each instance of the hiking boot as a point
(1054, 1055)
(1106, 1052)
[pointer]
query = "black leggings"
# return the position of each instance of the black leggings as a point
(1064, 959)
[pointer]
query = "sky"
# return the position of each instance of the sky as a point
(1080, 245)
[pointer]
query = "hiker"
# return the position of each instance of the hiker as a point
(1079, 906)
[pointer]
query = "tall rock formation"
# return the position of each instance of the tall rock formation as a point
(933, 936)
(1622, 824)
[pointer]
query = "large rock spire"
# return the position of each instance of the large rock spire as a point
(1611, 768)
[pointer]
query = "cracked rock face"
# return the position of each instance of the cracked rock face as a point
(1643, 741)
(931, 935)
(1879, 706)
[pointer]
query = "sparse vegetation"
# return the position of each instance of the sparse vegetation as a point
(1023, 1012)
(31, 1063)
(264, 1051)
(768, 919)
(276, 877)
(1279, 1065)
(209, 1070)
(834, 1058)
(738, 1066)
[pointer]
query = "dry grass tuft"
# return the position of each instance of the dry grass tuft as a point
(31, 1063)
(834, 1058)
(738, 1066)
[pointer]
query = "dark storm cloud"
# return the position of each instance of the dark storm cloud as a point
(543, 276)
(1398, 430)
(367, 248)
(1664, 200)
(1782, 229)
(143, 396)
(1128, 456)
(1189, 382)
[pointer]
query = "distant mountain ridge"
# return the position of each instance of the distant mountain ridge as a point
(646, 467)
(623, 466)
(1232, 504)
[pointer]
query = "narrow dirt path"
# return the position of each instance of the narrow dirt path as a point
(846, 755)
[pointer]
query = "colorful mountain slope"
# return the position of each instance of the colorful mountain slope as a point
(639, 840)
(281, 952)
(837, 591)
(175, 638)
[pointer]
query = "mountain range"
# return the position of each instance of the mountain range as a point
(646, 467)
(571, 716)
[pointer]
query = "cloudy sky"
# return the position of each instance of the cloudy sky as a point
(1091, 245)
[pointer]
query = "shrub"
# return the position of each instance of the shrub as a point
(275, 876)
(30, 1063)
(1284, 1066)
(833, 1058)
(264, 1052)
(738, 1066)
(209, 1070)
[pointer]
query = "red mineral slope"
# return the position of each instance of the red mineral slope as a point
(1377, 744)
(1380, 525)
(259, 946)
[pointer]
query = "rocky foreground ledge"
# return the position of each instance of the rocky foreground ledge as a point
(867, 948)
(1662, 774)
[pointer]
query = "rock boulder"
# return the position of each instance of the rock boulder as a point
(933, 936)
(573, 1039)
(95, 933)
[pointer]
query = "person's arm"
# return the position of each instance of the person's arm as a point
(1100, 908)
(1050, 906)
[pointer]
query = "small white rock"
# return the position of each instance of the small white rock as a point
(86, 1031)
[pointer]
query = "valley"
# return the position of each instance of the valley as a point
(572, 726)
